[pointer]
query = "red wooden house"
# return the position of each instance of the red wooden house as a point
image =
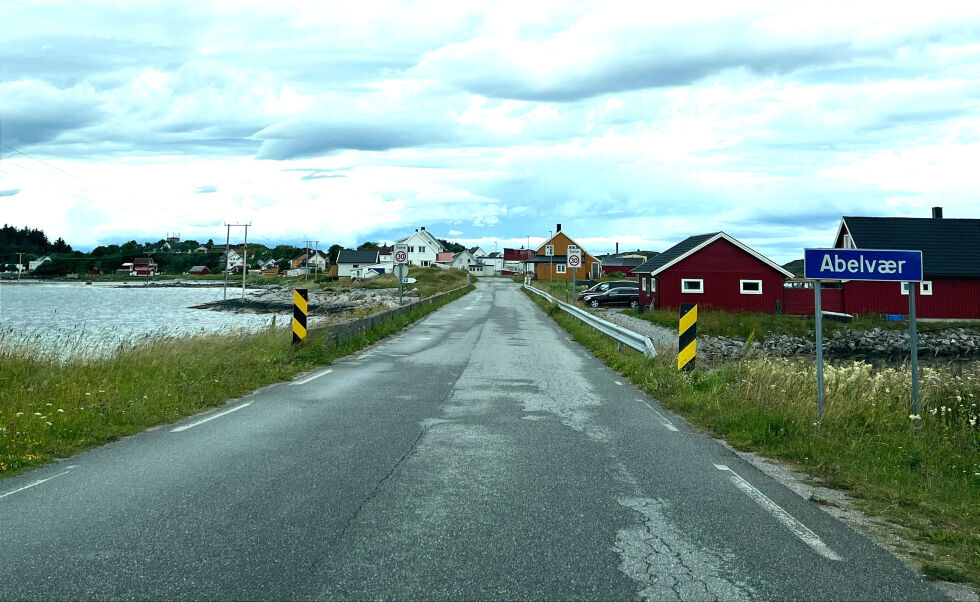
(715, 271)
(950, 257)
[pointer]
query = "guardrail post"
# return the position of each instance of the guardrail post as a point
(687, 340)
(300, 309)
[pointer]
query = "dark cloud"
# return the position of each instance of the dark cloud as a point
(9, 192)
(300, 138)
(480, 68)
(35, 112)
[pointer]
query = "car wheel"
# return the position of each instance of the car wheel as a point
(634, 304)
(594, 303)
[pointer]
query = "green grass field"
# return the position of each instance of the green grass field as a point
(865, 443)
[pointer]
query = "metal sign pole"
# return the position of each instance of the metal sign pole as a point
(400, 277)
(818, 317)
(914, 352)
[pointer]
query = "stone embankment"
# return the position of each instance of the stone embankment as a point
(874, 343)
(321, 302)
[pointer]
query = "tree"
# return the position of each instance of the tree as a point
(60, 246)
(368, 245)
(333, 251)
(455, 247)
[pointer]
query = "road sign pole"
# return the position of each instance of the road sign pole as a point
(914, 355)
(818, 318)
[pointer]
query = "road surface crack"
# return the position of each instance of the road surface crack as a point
(666, 565)
(374, 493)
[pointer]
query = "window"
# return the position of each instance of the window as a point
(653, 285)
(643, 281)
(425, 263)
(905, 287)
(411, 249)
(549, 250)
(848, 242)
(750, 287)
(925, 287)
(421, 249)
(355, 265)
(690, 285)
(560, 268)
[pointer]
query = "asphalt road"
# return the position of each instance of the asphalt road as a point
(476, 455)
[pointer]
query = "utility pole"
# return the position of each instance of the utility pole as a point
(225, 269)
(227, 260)
(245, 261)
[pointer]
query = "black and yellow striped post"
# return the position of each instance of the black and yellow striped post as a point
(300, 309)
(687, 337)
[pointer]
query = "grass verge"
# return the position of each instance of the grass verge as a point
(865, 442)
(52, 410)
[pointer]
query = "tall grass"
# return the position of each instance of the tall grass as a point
(865, 442)
(51, 409)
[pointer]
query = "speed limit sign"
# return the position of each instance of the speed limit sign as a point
(574, 259)
(401, 253)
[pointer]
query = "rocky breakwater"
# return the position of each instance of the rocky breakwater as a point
(874, 343)
(321, 302)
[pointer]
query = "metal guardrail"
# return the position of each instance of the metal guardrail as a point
(625, 336)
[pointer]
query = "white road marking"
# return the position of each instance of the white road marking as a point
(209, 418)
(618, 383)
(314, 377)
(799, 529)
(667, 423)
(36, 483)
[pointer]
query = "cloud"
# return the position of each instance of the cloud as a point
(35, 111)
(303, 138)
(9, 192)
(205, 189)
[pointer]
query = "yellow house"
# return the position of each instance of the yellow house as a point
(556, 267)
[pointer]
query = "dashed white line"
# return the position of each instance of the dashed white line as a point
(618, 383)
(667, 423)
(209, 418)
(36, 483)
(799, 529)
(314, 377)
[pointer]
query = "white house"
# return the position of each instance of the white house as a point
(356, 264)
(494, 262)
(477, 252)
(35, 264)
(464, 260)
(422, 247)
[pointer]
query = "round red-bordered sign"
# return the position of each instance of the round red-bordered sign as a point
(574, 261)
(401, 256)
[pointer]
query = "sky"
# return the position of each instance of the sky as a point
(638, 123)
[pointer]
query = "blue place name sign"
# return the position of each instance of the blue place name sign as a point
(862, 264)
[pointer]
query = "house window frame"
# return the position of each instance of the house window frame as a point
(560, 268)
(849, 242)
(903, 286)
(685, 290)
(741, 287)
(925, 288)
(424, 263)
(644, 285)
(421, 249)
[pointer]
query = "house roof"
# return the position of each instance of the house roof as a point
(474, 249)
(199, 268)
(691, 245)
(540, 252)
(950, 247)
(613, 261)
(362, 256)
(428, 236)
(495, 254)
